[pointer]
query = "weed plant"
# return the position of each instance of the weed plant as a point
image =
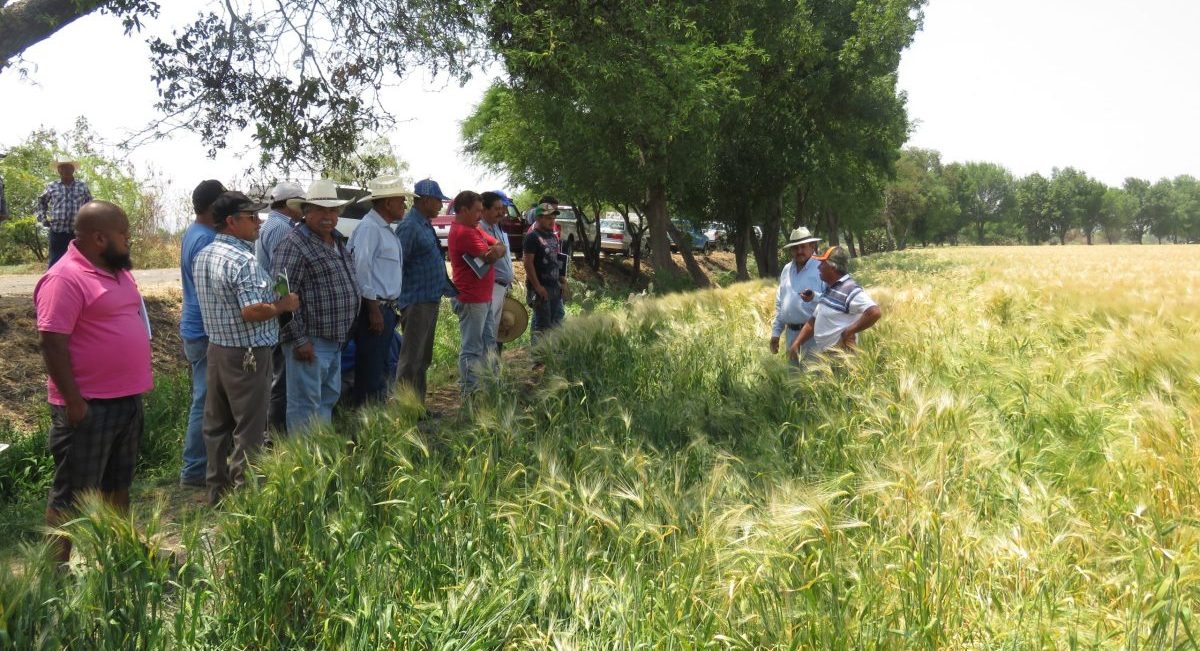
(1008, 462)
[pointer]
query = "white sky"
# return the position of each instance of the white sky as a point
(1107, 86)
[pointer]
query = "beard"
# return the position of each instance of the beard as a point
(114, 259)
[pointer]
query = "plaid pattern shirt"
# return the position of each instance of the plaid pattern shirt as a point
(59, 203)
(323, 276)
(228, 278)
(425, 279)
(277, 226)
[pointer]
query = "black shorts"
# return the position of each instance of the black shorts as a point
(99, 453)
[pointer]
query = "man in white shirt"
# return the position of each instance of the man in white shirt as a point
(379, 268)
(799, 283)
(843, 311)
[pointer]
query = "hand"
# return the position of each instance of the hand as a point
(848, 340)
(807, 295)
(774, 345)
(542, 293)
(304, 353)
(289, 303)
(374, 319)
(76, 411)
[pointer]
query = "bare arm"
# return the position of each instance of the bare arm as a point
(57, 355)
(266, 311)
(531, 275)
(864, 322)
(806, 333)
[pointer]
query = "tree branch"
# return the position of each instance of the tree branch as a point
(26, 23)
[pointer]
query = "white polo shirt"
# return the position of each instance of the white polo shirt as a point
(830, 323)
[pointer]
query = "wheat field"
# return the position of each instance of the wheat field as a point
(1009, 462)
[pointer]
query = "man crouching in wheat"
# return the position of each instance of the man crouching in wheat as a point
(843, 311)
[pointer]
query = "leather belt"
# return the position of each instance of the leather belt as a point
(795, 326)
(502, 283)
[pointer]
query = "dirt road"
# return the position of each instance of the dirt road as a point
(148, 279)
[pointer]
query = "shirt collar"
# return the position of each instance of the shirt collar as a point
(307, 232)
(842, 279)
(374, 217)
(235, 241)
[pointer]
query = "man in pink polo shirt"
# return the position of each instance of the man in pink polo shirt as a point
(95, 339)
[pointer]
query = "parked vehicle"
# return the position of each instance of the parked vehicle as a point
(699, 241)
(613, 238)
(568, 229)
(718, 233)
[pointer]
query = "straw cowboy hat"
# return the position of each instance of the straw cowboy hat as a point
(386, 187)
(800, 236)
(322, 192)
(513, 320)
(59, 163)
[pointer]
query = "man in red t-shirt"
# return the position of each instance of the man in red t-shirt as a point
(472, 253)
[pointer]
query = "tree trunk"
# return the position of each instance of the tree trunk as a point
(656, 215)
(770, 243)
(831, 227)
(27, 22)
(741, 240)
(801, 200)
(635, 241)
(684, 240)
(979, 231)
(850, 243)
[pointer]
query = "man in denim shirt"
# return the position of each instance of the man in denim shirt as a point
(198, 235)
(425, 283)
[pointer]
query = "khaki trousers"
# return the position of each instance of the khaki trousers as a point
(235, 414)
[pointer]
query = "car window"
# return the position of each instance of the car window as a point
(614, 224)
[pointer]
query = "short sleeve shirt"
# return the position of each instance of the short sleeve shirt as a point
(103, 315)
(829, 323)
(545, 247)
(229, 278)
(466, 240)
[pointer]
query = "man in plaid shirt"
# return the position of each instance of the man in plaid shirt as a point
(239, 307)
(320, 269)
(58, 205)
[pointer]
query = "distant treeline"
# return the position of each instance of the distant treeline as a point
(930, 202)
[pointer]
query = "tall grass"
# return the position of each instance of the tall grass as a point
(1009, 462)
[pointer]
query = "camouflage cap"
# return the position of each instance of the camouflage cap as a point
(836, 256)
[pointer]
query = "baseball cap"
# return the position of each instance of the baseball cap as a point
(545, 209)
(232, 203)
(285, 190)
(205, 194)
(429, 188)
(836, 256)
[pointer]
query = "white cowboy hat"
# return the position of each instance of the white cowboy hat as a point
(385, 187)
(513, 319)
(59, 163)
(322, 192)
(800, 236)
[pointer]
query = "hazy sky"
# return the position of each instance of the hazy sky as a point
(1108, 86)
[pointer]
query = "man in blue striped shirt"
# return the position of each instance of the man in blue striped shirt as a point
(425, 283)
(239, 307)
(280, 222)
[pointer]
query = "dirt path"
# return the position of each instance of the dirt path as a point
(147, 279)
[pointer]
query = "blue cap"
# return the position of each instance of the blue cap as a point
(429, 188)
(504, 198)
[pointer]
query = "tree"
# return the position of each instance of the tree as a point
(1138, 190)
(303, 77)
(985, 194)
(1116, 214)
(1033, 207)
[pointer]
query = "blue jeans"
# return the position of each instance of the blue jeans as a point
(789, 336)
(312, 387)
(195, 457)
(546, 315)
(474, 320)
(371, 356)
(58, 245)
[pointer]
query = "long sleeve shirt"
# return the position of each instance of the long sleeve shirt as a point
(503, 266)
(322, 274)
(277, 226)
(228, 279)
(60, 202)
(425, 279)
(378, 260)
(790, 309)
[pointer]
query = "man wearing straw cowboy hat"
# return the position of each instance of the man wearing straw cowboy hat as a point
(319, 269)
(379, 267)
(58, 205)
(843, 311)
(799, 283)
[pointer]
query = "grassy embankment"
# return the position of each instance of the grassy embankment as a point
(1009, 463)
